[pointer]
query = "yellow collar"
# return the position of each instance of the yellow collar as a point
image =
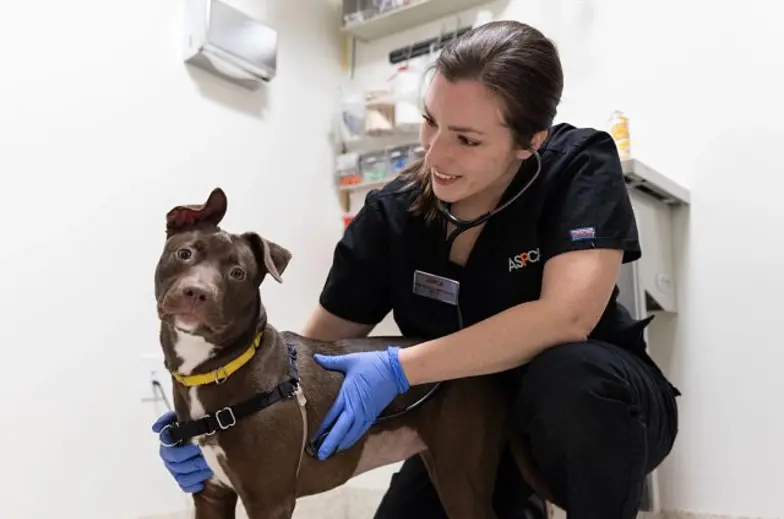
(219, 376)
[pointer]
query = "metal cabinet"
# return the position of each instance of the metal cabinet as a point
(648, 286)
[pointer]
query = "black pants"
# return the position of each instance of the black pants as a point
(598, 420)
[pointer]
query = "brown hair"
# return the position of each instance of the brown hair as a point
(516, 62)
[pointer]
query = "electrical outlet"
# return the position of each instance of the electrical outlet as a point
(152, 370)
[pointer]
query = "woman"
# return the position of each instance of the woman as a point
(527, 294)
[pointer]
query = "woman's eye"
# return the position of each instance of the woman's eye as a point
(184, 254)
(237, 274)
(465, 141)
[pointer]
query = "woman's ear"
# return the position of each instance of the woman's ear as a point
(536, 143)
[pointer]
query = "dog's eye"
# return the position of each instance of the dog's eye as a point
(184, 254)
(237, 274)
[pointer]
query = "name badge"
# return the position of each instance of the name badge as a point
(436, 287)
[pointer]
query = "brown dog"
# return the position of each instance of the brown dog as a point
(252, 397)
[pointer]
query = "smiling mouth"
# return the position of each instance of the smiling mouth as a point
(441, 178)
(444, 177)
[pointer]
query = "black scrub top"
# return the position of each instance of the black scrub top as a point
(579, 201)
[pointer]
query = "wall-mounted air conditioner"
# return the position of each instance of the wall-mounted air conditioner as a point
(229, 43)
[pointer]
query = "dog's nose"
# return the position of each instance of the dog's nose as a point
(195, 293)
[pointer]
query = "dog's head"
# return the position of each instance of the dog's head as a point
(207, 280)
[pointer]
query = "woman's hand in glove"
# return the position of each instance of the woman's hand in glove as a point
(184, 462)
(372, 380)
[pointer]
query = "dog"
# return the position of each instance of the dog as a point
(252, 397)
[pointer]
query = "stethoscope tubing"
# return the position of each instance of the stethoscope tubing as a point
(464, 225)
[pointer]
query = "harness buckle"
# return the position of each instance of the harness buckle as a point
(230, 417)
(161, 434)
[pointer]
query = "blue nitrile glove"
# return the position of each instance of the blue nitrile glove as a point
(372, 380)
(185, 462)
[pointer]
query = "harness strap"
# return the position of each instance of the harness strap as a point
(227, 417)
(301, 400)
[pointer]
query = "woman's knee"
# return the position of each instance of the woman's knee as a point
(571, 388)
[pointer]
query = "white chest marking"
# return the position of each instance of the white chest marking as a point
(192, 351)
(212, 453)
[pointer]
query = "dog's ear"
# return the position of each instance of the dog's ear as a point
(186, 217)
(270, 256)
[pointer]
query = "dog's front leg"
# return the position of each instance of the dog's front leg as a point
(271, 497)
(279, 510)
(270, 489)
(215, 502)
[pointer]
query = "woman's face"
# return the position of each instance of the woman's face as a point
(470, 151)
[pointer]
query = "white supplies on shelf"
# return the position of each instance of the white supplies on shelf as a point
(379, 112)
(357, 171)
(374, 167)
(371, 19)
(358, 11)
(374, 120)
(398, 158)
(347, 169)
(406, 88)
(351, 120)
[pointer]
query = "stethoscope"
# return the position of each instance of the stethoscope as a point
(462, 226)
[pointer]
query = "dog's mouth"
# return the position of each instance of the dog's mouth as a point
(186, 322)
(188, 319)
(193, 324)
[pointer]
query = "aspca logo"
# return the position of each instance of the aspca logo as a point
(524, 259)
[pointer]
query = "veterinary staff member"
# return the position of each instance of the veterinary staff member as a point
(535, 283)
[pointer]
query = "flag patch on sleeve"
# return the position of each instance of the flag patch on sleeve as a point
(583, 233)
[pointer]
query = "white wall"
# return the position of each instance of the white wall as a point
(707, 111)
(102, 130)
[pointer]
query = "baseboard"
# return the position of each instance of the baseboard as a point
(694, 515)
(560, 514)
(349, 502)
(676, 514)
(341, 503)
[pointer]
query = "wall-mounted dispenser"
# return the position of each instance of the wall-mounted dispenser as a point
(229, 43)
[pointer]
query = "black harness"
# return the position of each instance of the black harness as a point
(227, 417)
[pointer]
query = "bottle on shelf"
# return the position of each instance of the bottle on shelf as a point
(619, 130)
